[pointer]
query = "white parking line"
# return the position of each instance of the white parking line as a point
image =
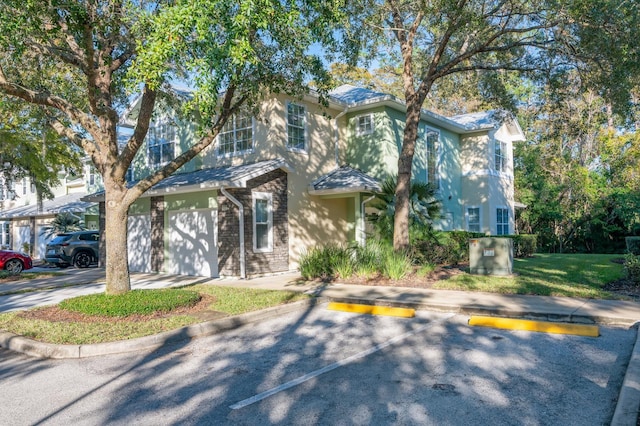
(330, 367)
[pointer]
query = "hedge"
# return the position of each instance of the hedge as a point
(633, 245)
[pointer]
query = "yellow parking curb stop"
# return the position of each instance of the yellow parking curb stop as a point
(538, 326)
(372, 310)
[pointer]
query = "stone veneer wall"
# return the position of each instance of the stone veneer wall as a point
(157, 234)
(228, 246)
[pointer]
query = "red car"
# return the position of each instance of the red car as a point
(14, 262)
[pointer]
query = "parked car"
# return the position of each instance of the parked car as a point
(79, 249)
(14, 261)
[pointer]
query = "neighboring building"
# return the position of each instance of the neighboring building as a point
(24, 221)
(302, 175)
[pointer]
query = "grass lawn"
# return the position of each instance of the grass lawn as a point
(572, 275)
(229, 300)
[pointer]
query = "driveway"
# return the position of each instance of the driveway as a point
(326, 367)
(73, 282)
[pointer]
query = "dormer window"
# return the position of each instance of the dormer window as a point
(364, 124)
(161, 144)
(501, 156)
(236, 136)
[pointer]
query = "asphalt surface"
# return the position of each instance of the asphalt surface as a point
(324, 367)
(607, 361)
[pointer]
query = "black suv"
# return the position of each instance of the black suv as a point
(79, 249)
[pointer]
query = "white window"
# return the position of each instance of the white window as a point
(296, 127)
(161, 144)
(5, 234)
(501, 156)
(92, 176)
(433, 159)
(473, 219)
(33, 187)
(502, 221)
(364, 124)
(24, 186)
(262, 222)
(236, 135)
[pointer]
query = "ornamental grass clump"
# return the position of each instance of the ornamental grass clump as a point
(135, 302)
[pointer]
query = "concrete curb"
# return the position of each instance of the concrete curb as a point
(628, 405)
(487, 311)
(34, 348)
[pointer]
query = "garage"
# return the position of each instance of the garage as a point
(139, 243)
(193, 243)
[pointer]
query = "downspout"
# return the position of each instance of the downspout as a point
(363, 239)
(336, 135)
(231, 198)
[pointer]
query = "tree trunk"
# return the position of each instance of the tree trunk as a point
(403, 187)
(117, 262)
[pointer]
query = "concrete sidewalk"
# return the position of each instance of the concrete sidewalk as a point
(550, 308)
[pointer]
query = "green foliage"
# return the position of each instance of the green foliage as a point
(369, 258)
(524, 245)
(632, 268)
(63, 222)
(397, 265)
(633, 245)
(321, 262)
(423, 207)
(137, 302)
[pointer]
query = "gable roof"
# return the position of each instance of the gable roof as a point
(211, 178)
(344, 179)
(70, 203)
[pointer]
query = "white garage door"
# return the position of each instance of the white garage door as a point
(193, 243)
(44, 235)
(139, 243)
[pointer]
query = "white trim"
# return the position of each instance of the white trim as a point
(466, 217)
(371, 116)
(235, 151)
(255, 196)
(305, 128)
(438, 147)
(488, 172)
(495, 219)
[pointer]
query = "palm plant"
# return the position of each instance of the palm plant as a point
(63, 222)
(423, 206)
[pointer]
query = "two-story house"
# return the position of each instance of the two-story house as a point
(299, 175)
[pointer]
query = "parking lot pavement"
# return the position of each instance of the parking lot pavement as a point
(328, 367)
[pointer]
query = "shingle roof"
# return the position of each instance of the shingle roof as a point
(351, 94)
(71, 203)
(480, 120)
(212, 178)
(344, 179)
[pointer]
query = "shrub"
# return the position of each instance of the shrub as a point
(524, 245)
(396, 265)
(632, 268)
(369, 258)
(321, 262)
(135, 302)
(633, 245)
(344, 267)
